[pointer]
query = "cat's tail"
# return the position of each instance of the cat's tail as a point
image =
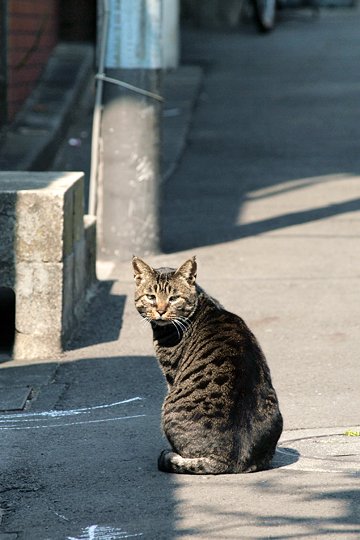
(174, 463)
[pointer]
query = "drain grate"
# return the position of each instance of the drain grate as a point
(14, 398)
(326, 452)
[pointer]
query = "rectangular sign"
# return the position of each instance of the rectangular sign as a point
(134, 37)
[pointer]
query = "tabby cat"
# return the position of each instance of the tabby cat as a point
(221, 413)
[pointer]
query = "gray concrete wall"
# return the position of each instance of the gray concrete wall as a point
(47, 256)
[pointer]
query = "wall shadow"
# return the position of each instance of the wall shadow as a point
(214, 221)
(102, 320)
(261, 124)
(89, 461)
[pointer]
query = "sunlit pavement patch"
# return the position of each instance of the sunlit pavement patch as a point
(324, 450)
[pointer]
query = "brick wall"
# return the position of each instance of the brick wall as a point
(32, 34)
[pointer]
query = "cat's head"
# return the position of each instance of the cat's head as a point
(163, 295)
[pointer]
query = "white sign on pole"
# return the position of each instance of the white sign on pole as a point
(134, 38)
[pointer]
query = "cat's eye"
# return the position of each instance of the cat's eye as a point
(150, 297)
(173, 299)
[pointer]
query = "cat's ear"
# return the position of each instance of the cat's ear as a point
(188, 270)
(141, 270)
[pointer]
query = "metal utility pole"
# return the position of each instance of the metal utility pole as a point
(128, 192)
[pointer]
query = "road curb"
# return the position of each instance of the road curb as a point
(31, 141)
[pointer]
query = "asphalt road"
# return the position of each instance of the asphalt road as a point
(267, 196)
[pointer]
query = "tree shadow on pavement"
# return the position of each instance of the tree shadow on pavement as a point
(281, 507)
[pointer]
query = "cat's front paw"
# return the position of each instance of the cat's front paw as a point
(164, 461)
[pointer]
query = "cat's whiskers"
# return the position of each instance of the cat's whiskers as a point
(182, 323)
(144, 321)
(185, 322)
(180, 326)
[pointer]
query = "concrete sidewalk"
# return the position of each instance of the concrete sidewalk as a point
(267, 196)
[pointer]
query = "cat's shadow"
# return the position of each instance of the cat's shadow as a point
(284, 456)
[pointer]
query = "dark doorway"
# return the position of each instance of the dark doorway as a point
(7, 322)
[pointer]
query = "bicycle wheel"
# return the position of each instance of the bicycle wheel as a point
(264, 11)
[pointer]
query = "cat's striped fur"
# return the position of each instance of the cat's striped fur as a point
(221, 413)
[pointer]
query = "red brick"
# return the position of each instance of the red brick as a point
(31, 7)
(27, 51)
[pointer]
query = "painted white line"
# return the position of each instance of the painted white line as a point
(13, 428)
(59, 414)
(61, 516)
(98, 532)
(46, 419)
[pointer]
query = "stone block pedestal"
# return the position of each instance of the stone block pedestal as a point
(47, 257)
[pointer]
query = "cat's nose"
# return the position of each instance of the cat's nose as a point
(161, 311)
